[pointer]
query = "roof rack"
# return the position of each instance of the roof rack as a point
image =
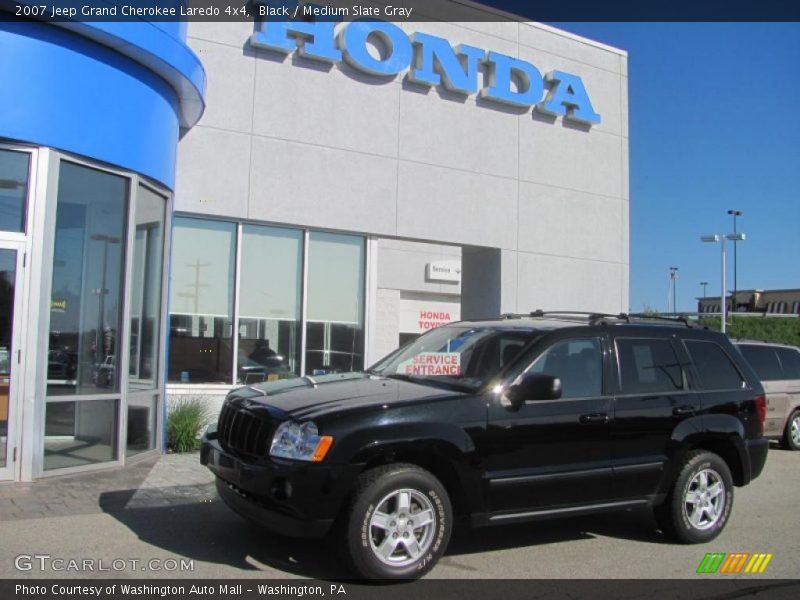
(675, 319)
(595, 318)
(592, 317)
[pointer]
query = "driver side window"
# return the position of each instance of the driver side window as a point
(579, 365)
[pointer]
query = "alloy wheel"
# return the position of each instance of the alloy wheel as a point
(704, 500)
(794, 431)
(402, 527)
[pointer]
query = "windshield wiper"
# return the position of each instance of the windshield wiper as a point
(401, 377)
(461, 387)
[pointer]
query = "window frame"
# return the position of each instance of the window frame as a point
(239, 224)
(41, 222)
(697, 380)
(301, 321)
(540, 345)
(569, 340)
(123, 326)
(30, 192)
(307, 239)
(680, 356)
(163, 294)
(786, 375)
(768, 347)
(226, 385)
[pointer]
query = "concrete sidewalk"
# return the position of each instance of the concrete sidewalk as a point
(162, 509)
(162, 481)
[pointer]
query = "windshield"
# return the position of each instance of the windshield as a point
(456, 356)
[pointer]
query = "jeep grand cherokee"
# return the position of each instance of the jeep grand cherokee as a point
(499, 421)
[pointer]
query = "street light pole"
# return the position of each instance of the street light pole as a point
(724, 304)
(673, 275)
(704, 284)
(734, 213)
(721, 239)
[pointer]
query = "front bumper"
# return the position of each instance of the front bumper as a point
(288, 497)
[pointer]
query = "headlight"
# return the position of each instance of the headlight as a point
(300, 441)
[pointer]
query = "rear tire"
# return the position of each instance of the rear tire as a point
(700, 501)
(791, 434)
(398, 523)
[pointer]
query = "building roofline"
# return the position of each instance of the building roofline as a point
(753, 291)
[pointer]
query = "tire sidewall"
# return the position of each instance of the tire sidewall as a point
(367, 503)
(789, 442)
(686, 531)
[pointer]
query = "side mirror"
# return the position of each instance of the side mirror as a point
(533, 386)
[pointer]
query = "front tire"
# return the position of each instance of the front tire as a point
(699, 503)
(398, 523)
(791, 435)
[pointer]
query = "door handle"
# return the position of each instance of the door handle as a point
(683, 410)
(594, 418)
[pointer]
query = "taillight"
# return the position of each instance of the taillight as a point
(761, 407)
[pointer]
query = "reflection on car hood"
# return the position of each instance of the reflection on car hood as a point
(310, 397)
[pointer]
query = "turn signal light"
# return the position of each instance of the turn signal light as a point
(323, 446)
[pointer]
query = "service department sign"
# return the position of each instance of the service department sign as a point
(431, 61)
(443, 270)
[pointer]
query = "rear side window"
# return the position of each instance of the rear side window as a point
(648, 366)
(790, 360)
(714, 366)
(763, 360)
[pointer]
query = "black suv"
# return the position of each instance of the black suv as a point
(498, 421)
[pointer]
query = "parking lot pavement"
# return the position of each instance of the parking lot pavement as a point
(167, 508)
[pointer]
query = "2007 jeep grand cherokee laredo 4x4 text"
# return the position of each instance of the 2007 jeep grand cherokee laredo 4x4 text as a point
(499, 421)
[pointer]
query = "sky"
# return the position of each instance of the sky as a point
(714, 114)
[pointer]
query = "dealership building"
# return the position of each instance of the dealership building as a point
(190, 207)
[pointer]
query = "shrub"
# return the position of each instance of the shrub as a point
(769, 329)
(186, 418)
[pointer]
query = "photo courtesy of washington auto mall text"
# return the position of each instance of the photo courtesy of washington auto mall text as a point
(201, 589)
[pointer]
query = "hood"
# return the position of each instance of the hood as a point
(311, 397)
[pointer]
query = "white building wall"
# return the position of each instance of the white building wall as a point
(402, 266)
(291, 141)
(387, 322)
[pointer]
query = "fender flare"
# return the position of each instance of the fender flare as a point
(360, 445)
(702, 430)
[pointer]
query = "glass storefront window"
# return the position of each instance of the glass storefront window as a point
(97, 321)
(142, 424)
(88, 271)
(270, 303)
(78, 433)
(8, 279)
(201, 301)
(269, 311)
(148, 258)
(14, 169)
(335, 321)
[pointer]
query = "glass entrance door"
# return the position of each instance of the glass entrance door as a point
(10, 268)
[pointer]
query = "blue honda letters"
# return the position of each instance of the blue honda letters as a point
(430, 60)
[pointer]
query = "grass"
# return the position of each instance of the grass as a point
(186, 418)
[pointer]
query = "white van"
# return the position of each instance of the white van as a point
(778, 367)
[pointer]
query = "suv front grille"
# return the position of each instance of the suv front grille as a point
(244, 432)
